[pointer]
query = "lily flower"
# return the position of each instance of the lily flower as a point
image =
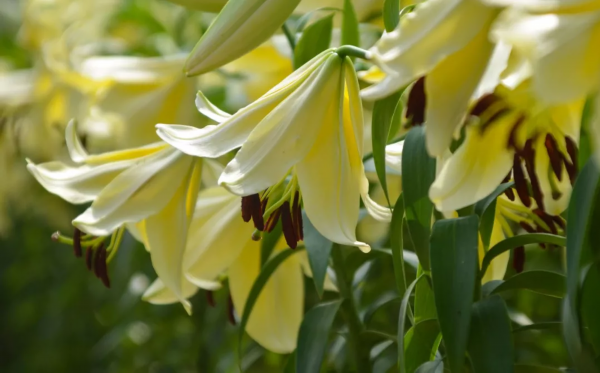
(511, 135)
(444, 44)
(220, 243)
(300, 142)
(154, 186)
(241, 26)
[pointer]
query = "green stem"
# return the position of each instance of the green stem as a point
(353, 51)
(291, 38)
(357, 350)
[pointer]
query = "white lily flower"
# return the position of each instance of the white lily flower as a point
(155, 186)
(241, 26)
(445, 41)
(220, 242)
(310, 127)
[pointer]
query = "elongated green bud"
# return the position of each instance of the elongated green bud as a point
(241, 26)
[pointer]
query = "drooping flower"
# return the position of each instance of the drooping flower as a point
(310, 128)
(511, 135)
(444, 44)
(220, 243)
(154, 186)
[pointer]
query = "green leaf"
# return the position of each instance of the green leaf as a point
(264, 275)
(454, 244)
(268, 242)
(302, 21)
(383, 114)
(581, 208)
(590, 306)
(524, 368)
(539, 326)
(290, 365)
(586, 147)
(313, 336)
(516, 241)
(419, 342)
(396, 243)
(401, 321)
(490, 338)
(543, 282)
(424, 300)
(373, 307)
(486, 210)
(314, 40)
(418, 173)
(350, 32)
(391, 14)
(318, 248)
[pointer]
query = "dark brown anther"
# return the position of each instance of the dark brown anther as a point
(520, 182)
(497, 115)
(571, 149)
(547, 219)
(528, 228)
(559, 221)
(103, 266)
(297, 217)
(263, 204)
(510, 194)
(272, 220)
(556, 160)
(519, 259)
(77, 243)
(417, 100)
(257, 212)
(89, 257)
(210, 298)
(287, 225)
(512, 136)
(230, 311)
(483, 104)
(571, 170)
(247, 208)
(529, 156)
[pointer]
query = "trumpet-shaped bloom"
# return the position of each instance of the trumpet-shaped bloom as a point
(445, 41)
(241, 26)
(155, 186)
(310, 128)
(220, 243)
(511, 135)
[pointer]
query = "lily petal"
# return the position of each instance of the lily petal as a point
(286, 135)
(393, 155)
(277, 313)
(158, 293)
(206, 108)
(476, 168)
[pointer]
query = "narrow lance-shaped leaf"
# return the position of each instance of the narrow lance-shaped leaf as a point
(418, 173)
(419, 343)
(314, 40)
(313, 336)
(453, 270)
(401, 321)
(350, 31)
(490, 340)
(396, 244)
(391, 14)
(318, 249)
(383, 114)
(543, 282)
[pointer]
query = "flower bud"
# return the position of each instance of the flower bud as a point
(241, 26)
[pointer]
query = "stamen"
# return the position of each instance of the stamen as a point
(547, 219)
(519, 259)
(417, 100)
(230, 311)
(77, 243)
(272, 220)
(297, 217)
(508, 192)
(528, 154)
(520, 182)
(559, 221)
(528, 228)
(483, 104)
(288, 226)
(512, 136)
(89, 256)
(252, 209)
(246, 208)
(210, 298)
(556, 160)
(571, 166)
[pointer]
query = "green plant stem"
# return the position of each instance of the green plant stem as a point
(358, 351)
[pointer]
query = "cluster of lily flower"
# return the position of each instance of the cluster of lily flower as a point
(499, 85)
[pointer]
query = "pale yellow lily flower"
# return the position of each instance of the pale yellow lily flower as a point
(220, 243)
(155, 186)
(511, 133)
(446, 42)
(309, 127)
